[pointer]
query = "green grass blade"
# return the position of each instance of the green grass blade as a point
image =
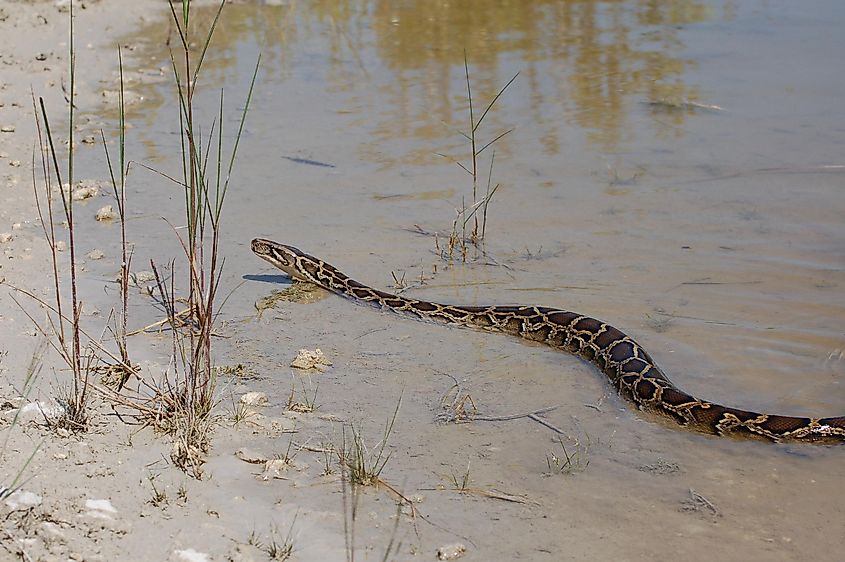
(493, 101)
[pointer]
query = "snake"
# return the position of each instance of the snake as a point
(627, 365)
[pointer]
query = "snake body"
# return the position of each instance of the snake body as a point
(628, 366)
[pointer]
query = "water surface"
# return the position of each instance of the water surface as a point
(673, 168)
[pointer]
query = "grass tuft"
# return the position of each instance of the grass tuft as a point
(575, 459)
(306, 405)
(364, 466)
(204, 195)
(463, 233)
(62, 328)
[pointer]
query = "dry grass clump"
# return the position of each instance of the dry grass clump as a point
(469, 227)
(362, 465)
(180, 400)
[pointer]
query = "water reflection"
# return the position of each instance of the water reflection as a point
(582, 63)
(582, 59)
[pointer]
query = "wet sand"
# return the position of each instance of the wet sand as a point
(675, 171)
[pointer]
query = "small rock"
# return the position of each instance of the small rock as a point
(100, 509)
(7, 129)
(6, 237)
(23, 500)
(190, 555)
(106, 214)
(84, 192)
(89, 139)
(95, 255)
(276, 469)
(307, 359)
(253, 399)
(15, 163)
(451, 551)
(17, 226)
(143, 277)
(35, 412)
(83, 189)
(60, 246)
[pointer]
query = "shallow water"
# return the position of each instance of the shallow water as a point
(673, 168)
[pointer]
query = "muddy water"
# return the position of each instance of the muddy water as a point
(667, 170)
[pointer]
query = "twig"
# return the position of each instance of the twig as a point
(517, 416)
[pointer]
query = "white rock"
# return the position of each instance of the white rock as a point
(102, 505)
(191, 555)
(35, 412)
(253, 399)
(96, 255)
(141, 277)
(23, 500)
(277, 468)
(307, 359)
(106, 214)
(100, 509)
(84, 192)
(6, 237)
(451, 551)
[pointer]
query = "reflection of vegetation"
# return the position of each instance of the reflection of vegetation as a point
(582, 61)
(592, 53)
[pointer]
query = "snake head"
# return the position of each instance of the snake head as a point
(284, 257)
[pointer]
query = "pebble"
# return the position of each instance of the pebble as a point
(254, 399)
(6, 237)
(85, 192)
(106, 214)
(100, 509)
(307, 359)
(35, 412)
(83, 189)
(191, 555)
(451, 551)
(95, 255)
(23, 500)
(277, 468)
(143, 277)
(7, 129)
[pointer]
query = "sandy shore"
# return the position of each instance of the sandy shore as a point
(71, 505)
